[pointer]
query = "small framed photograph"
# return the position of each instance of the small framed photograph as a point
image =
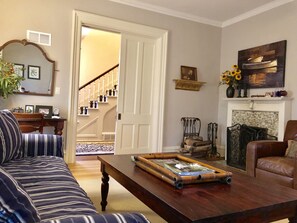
(29, 108)
(34, 72)
(47, 111)
(188, 73)
(19, 69)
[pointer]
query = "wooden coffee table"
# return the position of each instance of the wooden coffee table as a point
(246, 199)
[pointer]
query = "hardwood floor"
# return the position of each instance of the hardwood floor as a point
(87, 172)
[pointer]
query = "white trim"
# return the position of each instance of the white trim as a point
(104, 23)
(170, 149)
(255, 12)
(203, 20)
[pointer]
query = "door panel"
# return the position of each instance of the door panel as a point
(135, 95)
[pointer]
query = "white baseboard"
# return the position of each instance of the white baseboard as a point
(171, 149)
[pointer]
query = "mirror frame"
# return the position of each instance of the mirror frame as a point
(24, 42)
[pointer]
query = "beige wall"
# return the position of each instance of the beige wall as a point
(190, 44)
(272, 26)
(99, 53)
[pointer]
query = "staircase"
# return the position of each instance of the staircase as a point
(97, 107)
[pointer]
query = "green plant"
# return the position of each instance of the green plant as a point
(231, 77)
(9, 80)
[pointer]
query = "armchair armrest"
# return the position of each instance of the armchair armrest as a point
(262, 148)
(99, 218)
(42, 144)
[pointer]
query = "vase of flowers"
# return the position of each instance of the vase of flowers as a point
(9, 80)
(231, 78)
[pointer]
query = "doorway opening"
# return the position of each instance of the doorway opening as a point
(98, 91)
(157, 54)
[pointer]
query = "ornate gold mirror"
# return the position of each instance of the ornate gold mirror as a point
(31, 62)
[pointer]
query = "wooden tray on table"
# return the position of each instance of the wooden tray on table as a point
(178, 170)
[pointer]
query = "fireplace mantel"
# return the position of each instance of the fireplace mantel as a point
(281, 105)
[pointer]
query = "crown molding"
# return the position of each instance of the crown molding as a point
(256, 11)
(169, 12)
(191, 17)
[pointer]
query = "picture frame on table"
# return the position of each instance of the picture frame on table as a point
(46, 110)
(33, 72)
(19, 69)
(29, 108)
(188, 73)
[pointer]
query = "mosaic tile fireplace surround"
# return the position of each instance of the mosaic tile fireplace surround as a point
(269, 113)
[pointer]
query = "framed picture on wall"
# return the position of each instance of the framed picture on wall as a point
(19, 69)
(264, 66)
(188, 73)
(34, 72)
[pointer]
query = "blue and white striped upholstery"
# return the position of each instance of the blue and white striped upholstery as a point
(37, 181)
(57, 195)
(53, 189)
(15, 204)
(42, 144)
(104, 218)
(10, 137)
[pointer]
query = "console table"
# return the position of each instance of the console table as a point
(26, 119)
(57, 123)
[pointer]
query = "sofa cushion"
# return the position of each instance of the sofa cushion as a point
(292, 148)
(10, 137)
(54, 191)
(15, 204)
(277, 164)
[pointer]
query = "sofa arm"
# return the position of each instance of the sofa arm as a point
(262, 148)
(107, 218)
(42, 144)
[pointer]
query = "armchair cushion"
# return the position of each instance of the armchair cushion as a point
(15, 203)
(280, 165)
(292, 148)
(10, 137)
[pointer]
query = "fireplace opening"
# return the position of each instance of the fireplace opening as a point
(238, 136)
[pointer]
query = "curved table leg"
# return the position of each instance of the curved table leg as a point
(104, 189)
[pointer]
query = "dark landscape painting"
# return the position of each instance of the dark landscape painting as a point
(264, 66)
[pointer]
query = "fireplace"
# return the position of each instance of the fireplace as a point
(238, 136)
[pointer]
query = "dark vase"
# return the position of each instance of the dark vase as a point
(230, 92)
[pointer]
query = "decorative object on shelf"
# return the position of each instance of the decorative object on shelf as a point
(47, 111)
(245, 90)
(9, 80)
(29, 108)
(188, 79)
(231, 78)
(188, 85)
(239, 88)
(264, 66)
(230, 91)
(188, 73)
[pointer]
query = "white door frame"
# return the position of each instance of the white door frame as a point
(114, 25)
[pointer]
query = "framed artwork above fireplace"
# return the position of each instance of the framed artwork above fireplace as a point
(264, 66)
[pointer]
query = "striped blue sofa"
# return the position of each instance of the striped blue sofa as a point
(36, 184)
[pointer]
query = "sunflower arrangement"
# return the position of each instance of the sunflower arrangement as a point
(231, 77)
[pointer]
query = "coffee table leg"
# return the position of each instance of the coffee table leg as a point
(293, 220)
(104, 189)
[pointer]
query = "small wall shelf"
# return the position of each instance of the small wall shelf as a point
(188, 85)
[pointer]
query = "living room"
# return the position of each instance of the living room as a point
(210, 48)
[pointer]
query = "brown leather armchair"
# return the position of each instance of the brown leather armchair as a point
(266, 159)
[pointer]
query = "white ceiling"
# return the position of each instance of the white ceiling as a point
(219, 13)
